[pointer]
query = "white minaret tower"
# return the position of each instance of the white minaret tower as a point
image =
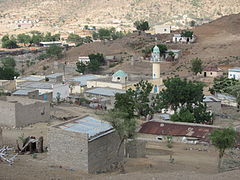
(155, 60)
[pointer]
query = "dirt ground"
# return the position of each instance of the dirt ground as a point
(188, 164)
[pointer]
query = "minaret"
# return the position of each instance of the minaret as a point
(155, 60)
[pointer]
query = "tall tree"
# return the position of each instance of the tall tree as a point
(23, 38)
(124, 125)
(223, 139)
(8, 62)
(54, 51)
(141, 25)
(196, 66)
(81, 67)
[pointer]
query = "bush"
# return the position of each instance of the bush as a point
(43, 56)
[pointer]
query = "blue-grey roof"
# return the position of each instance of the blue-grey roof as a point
(36, 85)
(211, 99)
(55, 75)
(22, 92)
(88, 125)
(120, 73)
(165, 116)
(105, 91)
(33, 78)
(234, 69)
(225, 97)
(84, 78)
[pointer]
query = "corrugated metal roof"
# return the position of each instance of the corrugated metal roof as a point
(105, 91)
(23, 92)
(36, 85)
(33, 78)
(88, 125)
(211, 99)
(84, 78)
(176, 129)
(55, 75)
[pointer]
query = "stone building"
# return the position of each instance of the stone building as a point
(18, 111)
(85, 143)
(211, 72)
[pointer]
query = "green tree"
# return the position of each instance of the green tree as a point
(124, 125)
(24, 38)
(54, 51)
(183, 116)
(8, 62)
(181, 93)
(75, 38)
(99, 57)
(142, 98)
(234, 90)
(104, 34)
(93, 66)
(196, 66)
(141, 25)
(8, 73)
(9, 42)
(192, 23)
(222, 84)
(136, 101)
(223, 139)
(81, 67)
(187, 34)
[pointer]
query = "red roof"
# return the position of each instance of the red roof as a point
(215, 69)
(177, 129)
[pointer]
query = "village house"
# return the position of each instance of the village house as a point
(84, 59)
(104, 96)
(174, 54)
(212, 72)
(33, 94)
(58, 90)
(78, 84)
(18, 112)
(162, 29)
(179, 131)
(234, 73)
(52, 43)
(85, 143)
(213, 104)
(55, 77)
(178, 38)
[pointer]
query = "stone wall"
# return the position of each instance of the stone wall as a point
(136, 149)
(8, 116)
(32, 113)
(68, 149)
(103, 153)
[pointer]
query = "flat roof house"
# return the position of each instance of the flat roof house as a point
(17, 111)
(85, 143)
(234, 73)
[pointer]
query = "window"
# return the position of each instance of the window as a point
(118, 78)
(211, 73)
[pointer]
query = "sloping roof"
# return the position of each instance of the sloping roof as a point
(177, 129)
(55, 75)
(216, 69)
(234, 70)
(88, 125)
(84, 78)
(105, 91)
(22, 92)
(120, 73)
(36, 85)
(211, 99)
(33, 78)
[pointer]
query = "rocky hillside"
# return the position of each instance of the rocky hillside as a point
(72, 14)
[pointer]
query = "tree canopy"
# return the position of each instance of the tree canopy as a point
(7, 71)
(223, 139)
(222, 84)
(54, 51)
(185, 98)
(81, 67)
(9, 42)
(196, 66)
(187, 33)
(141, 25)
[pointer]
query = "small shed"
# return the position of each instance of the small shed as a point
(234, 73)
(85, 143)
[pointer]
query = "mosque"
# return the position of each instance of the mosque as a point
(121, 80)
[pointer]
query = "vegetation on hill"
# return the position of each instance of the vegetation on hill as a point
(7, 70)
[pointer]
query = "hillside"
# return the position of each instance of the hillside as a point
(64, 15)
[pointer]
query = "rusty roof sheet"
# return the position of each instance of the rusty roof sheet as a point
(176, 129)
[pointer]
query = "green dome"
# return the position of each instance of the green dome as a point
(156, 49)
(120, 73)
